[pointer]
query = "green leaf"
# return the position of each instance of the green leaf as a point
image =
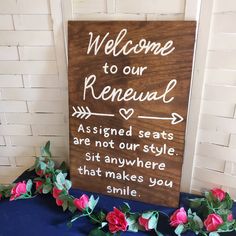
(126, 208)
(29, 185)
(198, 221)
(179, 230)
(133, 227)
(60, 179)
(42, 165)
(152, 223)
(65, 205)
(214, 234)
(68, 184)
(97, 232)
(45, 151)
(92, 202)
(147, 215)
(47, 188)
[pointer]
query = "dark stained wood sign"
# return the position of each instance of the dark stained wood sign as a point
(128, 97)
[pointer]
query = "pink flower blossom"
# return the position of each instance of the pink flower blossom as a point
(230, 217)
(178, 217)
(218, 193)
(212, 222)
(38, 185)
(82, 202)
(18, 190)
(143, 222)
(116, 221)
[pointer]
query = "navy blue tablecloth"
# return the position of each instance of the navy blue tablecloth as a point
(41, 216)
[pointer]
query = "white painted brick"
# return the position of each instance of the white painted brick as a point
(32, 22)
(216, 123)
(222, 41)
(2, 141)
(104, 16)
(37, 119)
(56, 151)
(224, 6)
(28, 67)
(37, 53)
(216, 151)
(222, 59)
(111, 6)
(218, 108)
(89, 6)
(41, 81)
(220, 93)
(6, 22)
(24, 161)
(58, 130)
(206, 162)
(25, 7)
(8, 53)
(214, 137)
(4, 161)
(15, 130)
(46, 107)
(150, 6)
(31, 94)
(37, 141)
(17, 151)
(154, 17)
(221, 77)
(224, 23)
(232, 143)
(13, 106)
(26, 38)
(8, 81)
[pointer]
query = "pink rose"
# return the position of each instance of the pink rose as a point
(38, 185)
(230, 217)
(18, 190)
(178, 217)
(82, 202)
(117, 221)
(56, 193)
(143, 222)
(0, 196)
(212, 222)
(218, 193)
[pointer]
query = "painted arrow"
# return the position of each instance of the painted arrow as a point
(175, 118)
(84, 112)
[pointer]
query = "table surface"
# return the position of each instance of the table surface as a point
(41, 216)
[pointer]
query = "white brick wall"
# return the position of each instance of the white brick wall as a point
(32, 99)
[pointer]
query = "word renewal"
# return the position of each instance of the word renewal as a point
(112, 46)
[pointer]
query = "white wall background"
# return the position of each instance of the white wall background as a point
(33, 81)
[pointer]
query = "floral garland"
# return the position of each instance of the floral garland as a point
(209, 215)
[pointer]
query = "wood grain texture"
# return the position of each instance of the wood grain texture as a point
(160, 70)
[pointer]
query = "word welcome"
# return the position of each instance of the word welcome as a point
(113, 46)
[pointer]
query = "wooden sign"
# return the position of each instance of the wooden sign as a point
(128, 97)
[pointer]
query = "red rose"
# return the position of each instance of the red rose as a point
(218, 193)
(0, 196)
(82, 202)
(143, 222)
(178, 217)
(38, 185)
(18, 190)
(40, 172)
(117, 221)
(212, 222)
(56, 193)
(230, 217)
